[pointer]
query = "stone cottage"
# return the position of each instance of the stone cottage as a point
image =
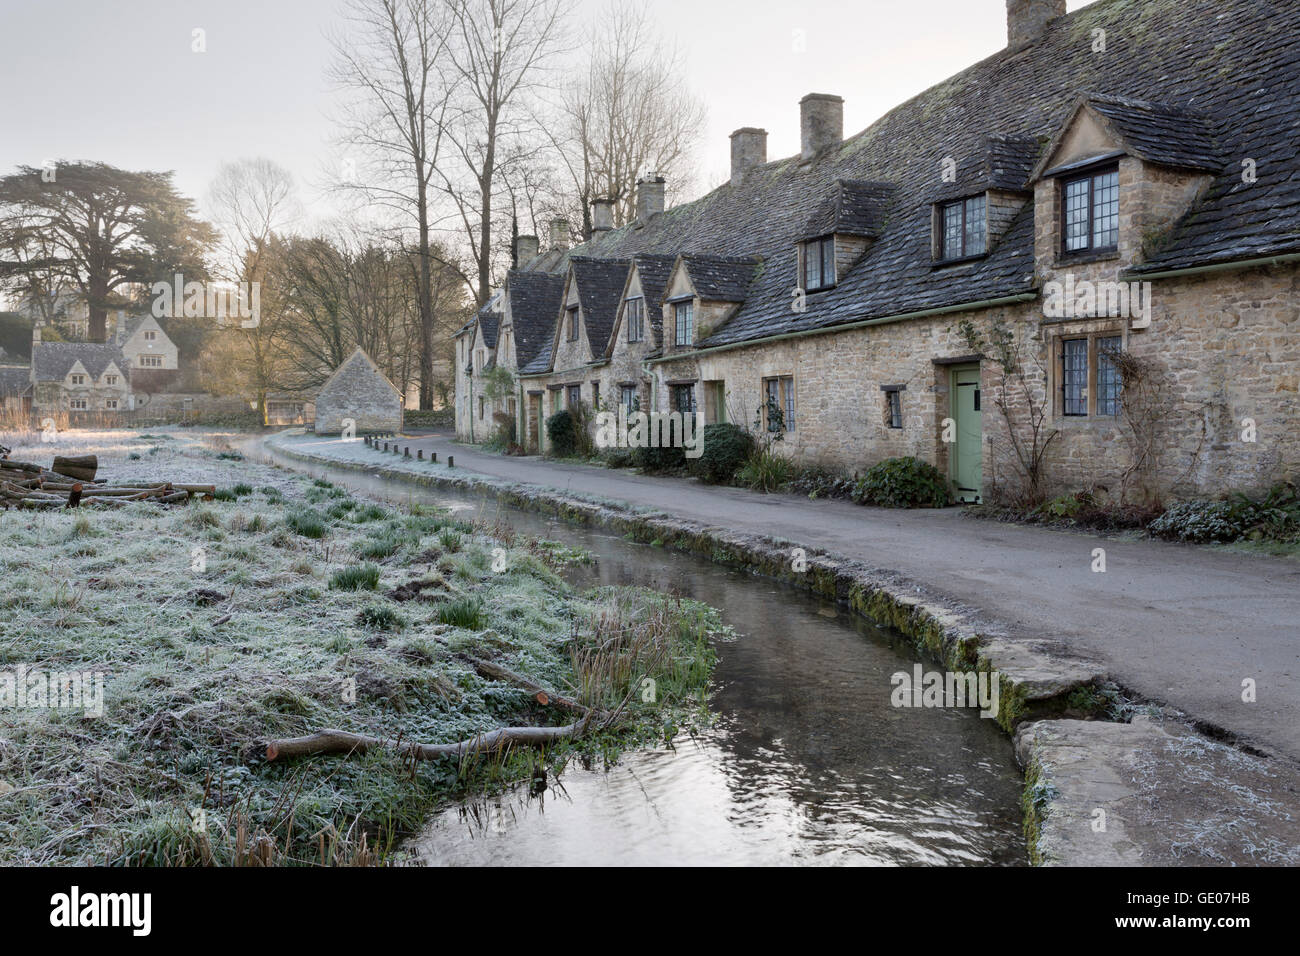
(1075, 264)
(359, 391)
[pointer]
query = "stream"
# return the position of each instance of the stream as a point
(807, 762)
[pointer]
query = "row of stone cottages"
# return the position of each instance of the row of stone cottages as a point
(968, 279)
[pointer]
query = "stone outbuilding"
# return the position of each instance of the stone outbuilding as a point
(360, 391)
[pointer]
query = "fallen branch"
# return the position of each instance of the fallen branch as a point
(540, 693)
(341, 741)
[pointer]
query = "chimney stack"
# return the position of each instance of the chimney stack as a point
(1027, 19)
(649, 196)
(821, 122)
(748, 148)
(525, 250)
(559, 233)
(602, 215)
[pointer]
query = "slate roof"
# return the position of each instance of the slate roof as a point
(15, 379)
(1160, 133)
(1233, 63)
(600, 285)
(54, 360)
(720, 278)
(535, 299)
(853, 208)
(488, 323)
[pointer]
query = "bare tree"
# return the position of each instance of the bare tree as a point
(394, 58)
(502, 53)
(628, 114)
(249, 200)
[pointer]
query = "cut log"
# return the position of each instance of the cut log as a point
(21, 466)
(81, 467)
(74, 496)
(341, 741)
(538, 692)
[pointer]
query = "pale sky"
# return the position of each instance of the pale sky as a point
(117, 81)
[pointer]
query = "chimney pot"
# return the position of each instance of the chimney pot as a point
(649, 196)
(559, 233)
(1027, 19)
(748, 149)
(821, 122)
(525, 250)
(602, 215)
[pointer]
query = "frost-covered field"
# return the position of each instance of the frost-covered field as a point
(285, 607)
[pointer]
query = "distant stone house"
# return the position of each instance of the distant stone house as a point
(15, 389)
(965, 280)
(79, 378)
(360, 392)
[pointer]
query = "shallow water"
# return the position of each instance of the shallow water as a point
(807, 761)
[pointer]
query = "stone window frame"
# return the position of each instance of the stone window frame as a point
(824, 246)
(1090, 175)
(78, 405)
(893, 405)
(684, 331)
(785, 398)
(571, 316)
(110, 404)
(76, 378)
(110, 379)
(1093, 358)
(151, 361)
(676, 390)
(634, 319)
(150, 335)
(962, 204)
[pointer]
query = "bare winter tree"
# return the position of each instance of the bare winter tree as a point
(502, 53)
(394, 58)
(250, 200)
(629, 113)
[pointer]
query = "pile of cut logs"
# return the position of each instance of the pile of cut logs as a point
(71, 482)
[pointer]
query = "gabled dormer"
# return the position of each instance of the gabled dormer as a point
(638, 323)
(1116, 178)
(78, 376)
(839, 232)
(592, 290)
(978, 196)
(701, 294)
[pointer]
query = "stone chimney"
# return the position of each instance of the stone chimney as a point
(602, 215)
(748, 148)
(559, 233)
(36, 335)
(1027, 19)
(649, 196)
(821, 122)
(525, 250)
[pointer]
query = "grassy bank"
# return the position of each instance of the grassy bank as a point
(287, 608)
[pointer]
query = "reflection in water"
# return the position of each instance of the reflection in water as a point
(807, 761)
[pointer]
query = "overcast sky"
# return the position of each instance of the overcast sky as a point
(116, 80)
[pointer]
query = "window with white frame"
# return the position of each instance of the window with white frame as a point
(77, 404)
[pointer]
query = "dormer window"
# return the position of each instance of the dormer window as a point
(634, 316)
(573, 323)
(685, 315)
(1090, 207)
(78, 379)
(965, 228)
(818, 264)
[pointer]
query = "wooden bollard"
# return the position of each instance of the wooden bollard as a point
(433, 457)
(406, 452)
(419, 454)
(385, 446)
(451, 461)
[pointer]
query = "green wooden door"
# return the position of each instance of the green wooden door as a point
(967, 452)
